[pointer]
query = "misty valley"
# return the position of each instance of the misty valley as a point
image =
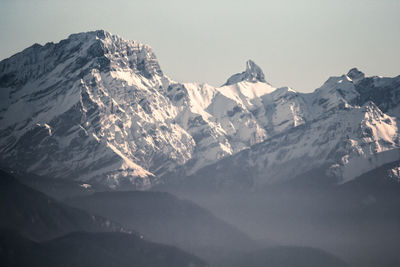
(107, 161)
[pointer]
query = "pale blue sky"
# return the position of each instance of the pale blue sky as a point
(298, 43)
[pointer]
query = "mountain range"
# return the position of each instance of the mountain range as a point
(98, 109)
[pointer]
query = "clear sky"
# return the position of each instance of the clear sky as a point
(298, 43)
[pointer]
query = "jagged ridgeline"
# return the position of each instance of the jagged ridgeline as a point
(98, 109)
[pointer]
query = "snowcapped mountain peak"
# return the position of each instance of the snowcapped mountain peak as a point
(253, 73)
(100, 34)
(108, 88)
(112, 52)
(355, 75)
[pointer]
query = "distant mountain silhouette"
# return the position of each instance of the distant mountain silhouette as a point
(91, 250)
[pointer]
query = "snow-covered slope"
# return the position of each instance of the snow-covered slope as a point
(91, 107)
(336, 128)
(98, 108)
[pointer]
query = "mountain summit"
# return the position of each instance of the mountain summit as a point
(355, 74)
(253, 73)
